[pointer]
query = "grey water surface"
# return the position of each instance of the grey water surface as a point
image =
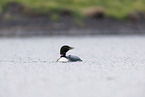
(112, 66)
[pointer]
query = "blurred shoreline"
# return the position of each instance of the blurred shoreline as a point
(41, 26)
(17, 19)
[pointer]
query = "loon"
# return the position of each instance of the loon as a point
(70, 58)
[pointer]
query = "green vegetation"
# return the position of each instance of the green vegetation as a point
(116, 8)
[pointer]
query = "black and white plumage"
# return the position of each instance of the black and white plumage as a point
(70, 58)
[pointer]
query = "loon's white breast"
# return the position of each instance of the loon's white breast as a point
(63, 60)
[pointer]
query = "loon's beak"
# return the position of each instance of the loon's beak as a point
(71, 48)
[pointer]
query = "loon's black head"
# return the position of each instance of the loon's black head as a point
(64, 49)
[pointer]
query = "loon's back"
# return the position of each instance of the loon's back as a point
(73, 58)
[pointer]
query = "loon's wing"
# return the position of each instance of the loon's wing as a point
(73, 58)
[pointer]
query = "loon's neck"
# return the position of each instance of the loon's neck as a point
(63, 55)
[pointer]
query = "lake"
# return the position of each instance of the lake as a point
(112, 66)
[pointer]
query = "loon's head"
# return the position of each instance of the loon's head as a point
(64, 49)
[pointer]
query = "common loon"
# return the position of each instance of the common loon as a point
(70, 58)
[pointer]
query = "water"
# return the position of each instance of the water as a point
(112, 66)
